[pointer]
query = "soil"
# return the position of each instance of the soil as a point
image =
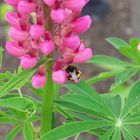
(117, 23)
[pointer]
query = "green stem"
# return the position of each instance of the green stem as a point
(20, 94)
(47, 106)
(77, 136)
(48, 95)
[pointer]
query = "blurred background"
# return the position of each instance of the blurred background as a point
(119, 18)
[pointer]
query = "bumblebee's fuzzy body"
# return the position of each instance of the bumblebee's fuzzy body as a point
(74, 74)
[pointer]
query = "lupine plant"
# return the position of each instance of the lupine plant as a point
(44, 36)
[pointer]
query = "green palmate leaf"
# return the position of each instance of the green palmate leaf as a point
(18, 114)
(134, 44)
(8, 120)
(133, 99)
(84, 89)
(1, 55)
(3, 113)
(73, 107)
(117, 42)
(11, 95)
(33, 118)
(126, 74)
(81, 116)
(108, 62)
(117, 134)
(108, 134)
(132, 120)
(114, 103)
(63, 112)
(125, 48)
(135, 131)
(13, 133)
(6, 76)
(128, 52)
(101, 77)
(73, 128)
(121, 89)
(28, 131)
(134, 114)
(127, 134)
(2, 83)
(16, 82)
(21, 104)
(86, 102)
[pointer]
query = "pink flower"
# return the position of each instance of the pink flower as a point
(82, 46)
(72, 41)
(25, 7)
(36, 31)
(58, 15)
(82, 24)
(83, 56)
(49, 2)
(38, 81)
(13, 19)
(58, 64)
(68, 57)
(59, 76)
(47, 47)
(14, 49)
(12, 2)
(74, 5)
(18, 35)
(28, 62)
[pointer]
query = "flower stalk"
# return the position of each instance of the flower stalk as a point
(47, 106)
(47, 98)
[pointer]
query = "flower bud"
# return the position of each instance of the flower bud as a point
(36, 31)
(83, 56)
(14, 49)
(42, 70)
(25, 7)
(18, 35)
(13, 19)
(12, 2)
(28, 62)
(73, 5)
(59, 76)
(38, 81)
(68, 57)
(82, 24)
(49, 2)
(47, 47)
(58, 15)
(72, 41)
(57, 64)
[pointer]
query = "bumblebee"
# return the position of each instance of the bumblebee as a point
(74, 74)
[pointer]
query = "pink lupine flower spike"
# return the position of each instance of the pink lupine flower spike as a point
(30, 40)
